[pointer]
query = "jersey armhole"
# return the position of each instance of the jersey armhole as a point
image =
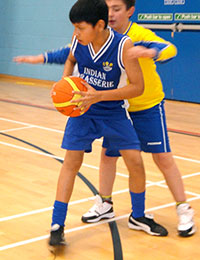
(120, 52)
(74, 44)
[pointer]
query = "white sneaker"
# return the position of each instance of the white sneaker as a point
(100, 210)
(186, 226)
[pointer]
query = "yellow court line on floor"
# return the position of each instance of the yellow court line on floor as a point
(25, 83)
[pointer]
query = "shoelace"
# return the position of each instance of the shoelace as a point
(97, 205)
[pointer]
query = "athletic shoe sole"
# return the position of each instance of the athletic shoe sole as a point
(97, 219)
(187, 233)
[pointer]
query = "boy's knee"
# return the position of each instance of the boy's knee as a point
(133, 158)
(163, 159)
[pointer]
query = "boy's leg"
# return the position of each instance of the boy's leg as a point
(103, 207)
(138, 220)
(107, 173)
(134, 164)
(71, 165)
(151, 128)
(167, 166)
(69, 169)
(172, 175)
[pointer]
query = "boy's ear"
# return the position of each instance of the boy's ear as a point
(131, 11)
(100, 25)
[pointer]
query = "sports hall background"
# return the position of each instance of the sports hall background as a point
(34, 26)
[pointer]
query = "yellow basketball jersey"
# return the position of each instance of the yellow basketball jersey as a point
(153, 92)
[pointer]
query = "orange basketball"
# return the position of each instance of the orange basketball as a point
(62, 95)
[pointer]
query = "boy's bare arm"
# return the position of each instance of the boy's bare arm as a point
(134, 73)
(69, 65)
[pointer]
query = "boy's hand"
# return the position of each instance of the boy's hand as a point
(29, 59)
(140, 51)
(89, 97)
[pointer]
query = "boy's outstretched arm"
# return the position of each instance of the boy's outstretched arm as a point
(57, 56)
(51, 57)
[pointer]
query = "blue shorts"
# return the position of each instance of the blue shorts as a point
(81, 131)
(151, 129)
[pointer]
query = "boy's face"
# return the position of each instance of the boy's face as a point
(118, 15)
(85, 32)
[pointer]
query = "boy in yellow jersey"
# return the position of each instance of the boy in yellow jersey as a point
(148, 115)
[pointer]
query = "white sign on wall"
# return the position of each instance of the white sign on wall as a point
(155, 17)
(174, 2)
(187, 16)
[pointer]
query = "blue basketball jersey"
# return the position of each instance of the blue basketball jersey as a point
(103, 70)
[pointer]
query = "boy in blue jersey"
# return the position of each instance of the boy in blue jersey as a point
(158, 50)
(101, 56)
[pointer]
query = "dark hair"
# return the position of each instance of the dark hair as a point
(129, 3)
(89, 11)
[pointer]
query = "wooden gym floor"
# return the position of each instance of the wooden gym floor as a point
(30, 137)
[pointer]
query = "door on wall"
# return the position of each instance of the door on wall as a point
(181, 76)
